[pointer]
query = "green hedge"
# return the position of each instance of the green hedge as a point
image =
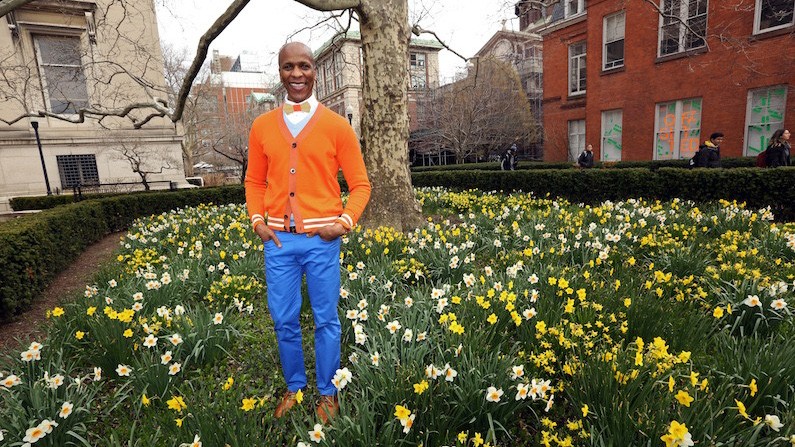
(740, 162)
(757, 187)
(35, 248)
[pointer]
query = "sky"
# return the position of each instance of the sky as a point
(264, 25)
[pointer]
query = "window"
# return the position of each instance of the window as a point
(613, 38)
(683, 25)
(338, 70)
(418, 77)
(61, 73)
(576, 138)
(764, 115)
(611, 135)
(328, 76)
(573, 7)
(418, 81)
(319, 81)
(771, 15)
(577, 68)
(77, 170)
(677, 129)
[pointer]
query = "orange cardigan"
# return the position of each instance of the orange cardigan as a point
(298, 175)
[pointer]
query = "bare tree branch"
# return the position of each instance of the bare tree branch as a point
(201, 53)
(417, 30)
(330, 5)
(7, 6)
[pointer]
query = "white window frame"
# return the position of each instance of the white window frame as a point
(41, 65)
(418, 72)
(580, 8)
(758, 19)
(607, 133)
(771, 125)
(684, 18)
(319, 81)
(576, 140)
(581, 65)
(677, 130)
(417, 61)
(339, 65)
(605, 42)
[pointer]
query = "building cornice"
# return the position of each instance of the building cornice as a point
(565, 23)
(72, 7)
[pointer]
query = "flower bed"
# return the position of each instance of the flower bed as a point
(510, 320)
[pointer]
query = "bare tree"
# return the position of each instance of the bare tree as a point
(480, 114)
(144, 160)
(197, 105)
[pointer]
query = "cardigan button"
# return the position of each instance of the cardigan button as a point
(292, 171)
(292, 194)
(294, 145)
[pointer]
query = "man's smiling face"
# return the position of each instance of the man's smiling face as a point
(297, 71)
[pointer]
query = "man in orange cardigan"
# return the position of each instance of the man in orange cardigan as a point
(293, 200)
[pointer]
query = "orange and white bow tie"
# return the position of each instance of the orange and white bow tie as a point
(303, 107)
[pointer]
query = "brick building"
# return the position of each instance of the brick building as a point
(645, 84)
(234, 93)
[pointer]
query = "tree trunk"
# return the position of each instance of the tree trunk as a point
(385, 123)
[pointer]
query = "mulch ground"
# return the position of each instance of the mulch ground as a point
(29, 325)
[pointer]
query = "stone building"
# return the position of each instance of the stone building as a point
(61, 57)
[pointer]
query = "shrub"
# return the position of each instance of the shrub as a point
(757, 187)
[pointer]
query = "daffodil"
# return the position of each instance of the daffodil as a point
(248, 404)
(493, 394)
(684, 398)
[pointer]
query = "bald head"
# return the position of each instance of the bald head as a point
(297, 71)
(296, 48)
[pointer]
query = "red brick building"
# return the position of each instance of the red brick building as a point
(646, 84)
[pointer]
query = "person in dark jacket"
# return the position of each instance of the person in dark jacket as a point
(708, 155)
(778, 149)
(585, 160)
(508, 159)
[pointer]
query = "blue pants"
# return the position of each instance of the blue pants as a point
(320, 262)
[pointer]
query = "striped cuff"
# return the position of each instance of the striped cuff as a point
(346, 221)
(256, 220)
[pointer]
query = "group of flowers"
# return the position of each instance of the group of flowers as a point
(496, 311)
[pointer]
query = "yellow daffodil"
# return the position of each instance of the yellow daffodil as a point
(684, 398)
(248, 404)
(402, 412)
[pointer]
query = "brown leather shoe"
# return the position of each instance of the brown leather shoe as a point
(287, 402)
(328, 408)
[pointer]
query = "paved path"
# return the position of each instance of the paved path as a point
(74, 279)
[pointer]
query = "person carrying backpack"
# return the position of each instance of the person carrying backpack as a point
(708, 155)
(508, 159)
(585, 160)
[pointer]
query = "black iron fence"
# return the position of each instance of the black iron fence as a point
(119, 188)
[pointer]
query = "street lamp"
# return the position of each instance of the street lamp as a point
(35, 125)
(349, 112)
